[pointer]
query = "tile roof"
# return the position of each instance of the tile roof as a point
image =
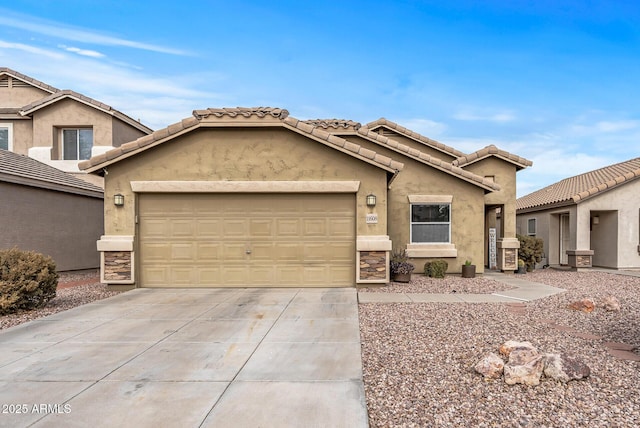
(20, 169)
(382, 122)
(263, 116)
(344, 127)
(29, 80)
(428, 160)
(492, 150)
(575, 189)
(60, 95)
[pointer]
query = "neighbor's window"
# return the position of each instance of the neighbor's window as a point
(531, 227)
(77, 143)
(430, 223)
(5, 136)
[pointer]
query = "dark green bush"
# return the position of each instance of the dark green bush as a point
(28, 280)
(531, 250)
(436, 268)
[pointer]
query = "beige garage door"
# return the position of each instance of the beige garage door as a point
(240, 240)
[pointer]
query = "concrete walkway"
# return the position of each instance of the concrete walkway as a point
(523, 291)
(189, 358)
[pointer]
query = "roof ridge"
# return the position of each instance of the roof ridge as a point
(242, 111)
(428, 159)
(490, 150)
(414, 135)
(582, 186)
(335, 123)
(27, 79)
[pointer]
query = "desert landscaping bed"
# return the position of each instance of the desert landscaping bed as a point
(418, 359)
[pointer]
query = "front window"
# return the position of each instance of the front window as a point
(531, 227)
(77, 143)
(430, 223)
(5, 136)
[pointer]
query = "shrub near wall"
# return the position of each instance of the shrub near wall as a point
(28, 280)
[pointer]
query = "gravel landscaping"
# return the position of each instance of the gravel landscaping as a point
(418, 358)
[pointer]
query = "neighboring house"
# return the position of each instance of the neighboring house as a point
(59, 128)
(592, 219)
(254, 197)
(49, 211)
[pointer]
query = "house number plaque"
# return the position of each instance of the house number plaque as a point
(372, 218)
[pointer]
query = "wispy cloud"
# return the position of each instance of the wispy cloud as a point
(61, 31)
(83, 52)
(606, 127)
(498, 117)
(30, 49)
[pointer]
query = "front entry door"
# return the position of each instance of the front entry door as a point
(565, 238)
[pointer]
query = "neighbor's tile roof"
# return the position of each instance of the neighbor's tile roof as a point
(382, 122)
(580, 187)
(267, 116)
(20, 169)
(27, 79)
(43, 102)
(492, 150)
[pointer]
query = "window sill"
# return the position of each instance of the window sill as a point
(431, 250)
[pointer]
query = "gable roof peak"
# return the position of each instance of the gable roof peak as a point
(30, 80)
(492, 150)
(338, 124)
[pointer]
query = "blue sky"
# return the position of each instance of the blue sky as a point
(556, 82)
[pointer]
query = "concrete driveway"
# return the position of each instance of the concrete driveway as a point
(189, 358)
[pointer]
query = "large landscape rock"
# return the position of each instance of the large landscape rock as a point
(510, 345)
(528, 373)
(490, 366)
(584, 305)
(564, 368)
(610, 304)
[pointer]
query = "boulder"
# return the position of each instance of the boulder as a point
(527, 374)
(565, 368)
(584, 305)
(490, 366)
(507, 347)
(610, 304)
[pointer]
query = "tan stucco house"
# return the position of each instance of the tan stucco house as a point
(591, 219)
(255, 197)
(49, 211)
(59, 127)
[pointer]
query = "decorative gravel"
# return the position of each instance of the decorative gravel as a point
(418, 358)
(74, 289)
(450, 284)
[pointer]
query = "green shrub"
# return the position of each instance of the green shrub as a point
(28, 280)
(436, 268)
(531, 250)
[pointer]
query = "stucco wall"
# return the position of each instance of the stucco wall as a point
(69, 113)
(22, 135)
(625, 200)
(548, 229)
(258, 154)
(467, 207)
(20, 96)
(124, 133)
(61, 225)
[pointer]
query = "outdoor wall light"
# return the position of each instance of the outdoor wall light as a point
(371, 200)
(118, 199)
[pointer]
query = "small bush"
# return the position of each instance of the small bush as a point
(28, 280)
(436, 268)
(531, 250)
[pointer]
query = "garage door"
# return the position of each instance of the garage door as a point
(240, 240)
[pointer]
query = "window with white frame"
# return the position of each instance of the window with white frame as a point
(6, 136)
(531, 227)
(430, 223)
(77, 143)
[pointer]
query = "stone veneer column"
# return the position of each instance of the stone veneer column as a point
(373, 259)
(117, 262)
(580, 259)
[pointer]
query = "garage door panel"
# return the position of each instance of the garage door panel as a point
(202, 240)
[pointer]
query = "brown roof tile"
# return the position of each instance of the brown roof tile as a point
(211, 115)
(335, 124)
(382, 122)
(21, 169)
(29, 80)
(492, 150)
(580, 187)
(427, 159)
